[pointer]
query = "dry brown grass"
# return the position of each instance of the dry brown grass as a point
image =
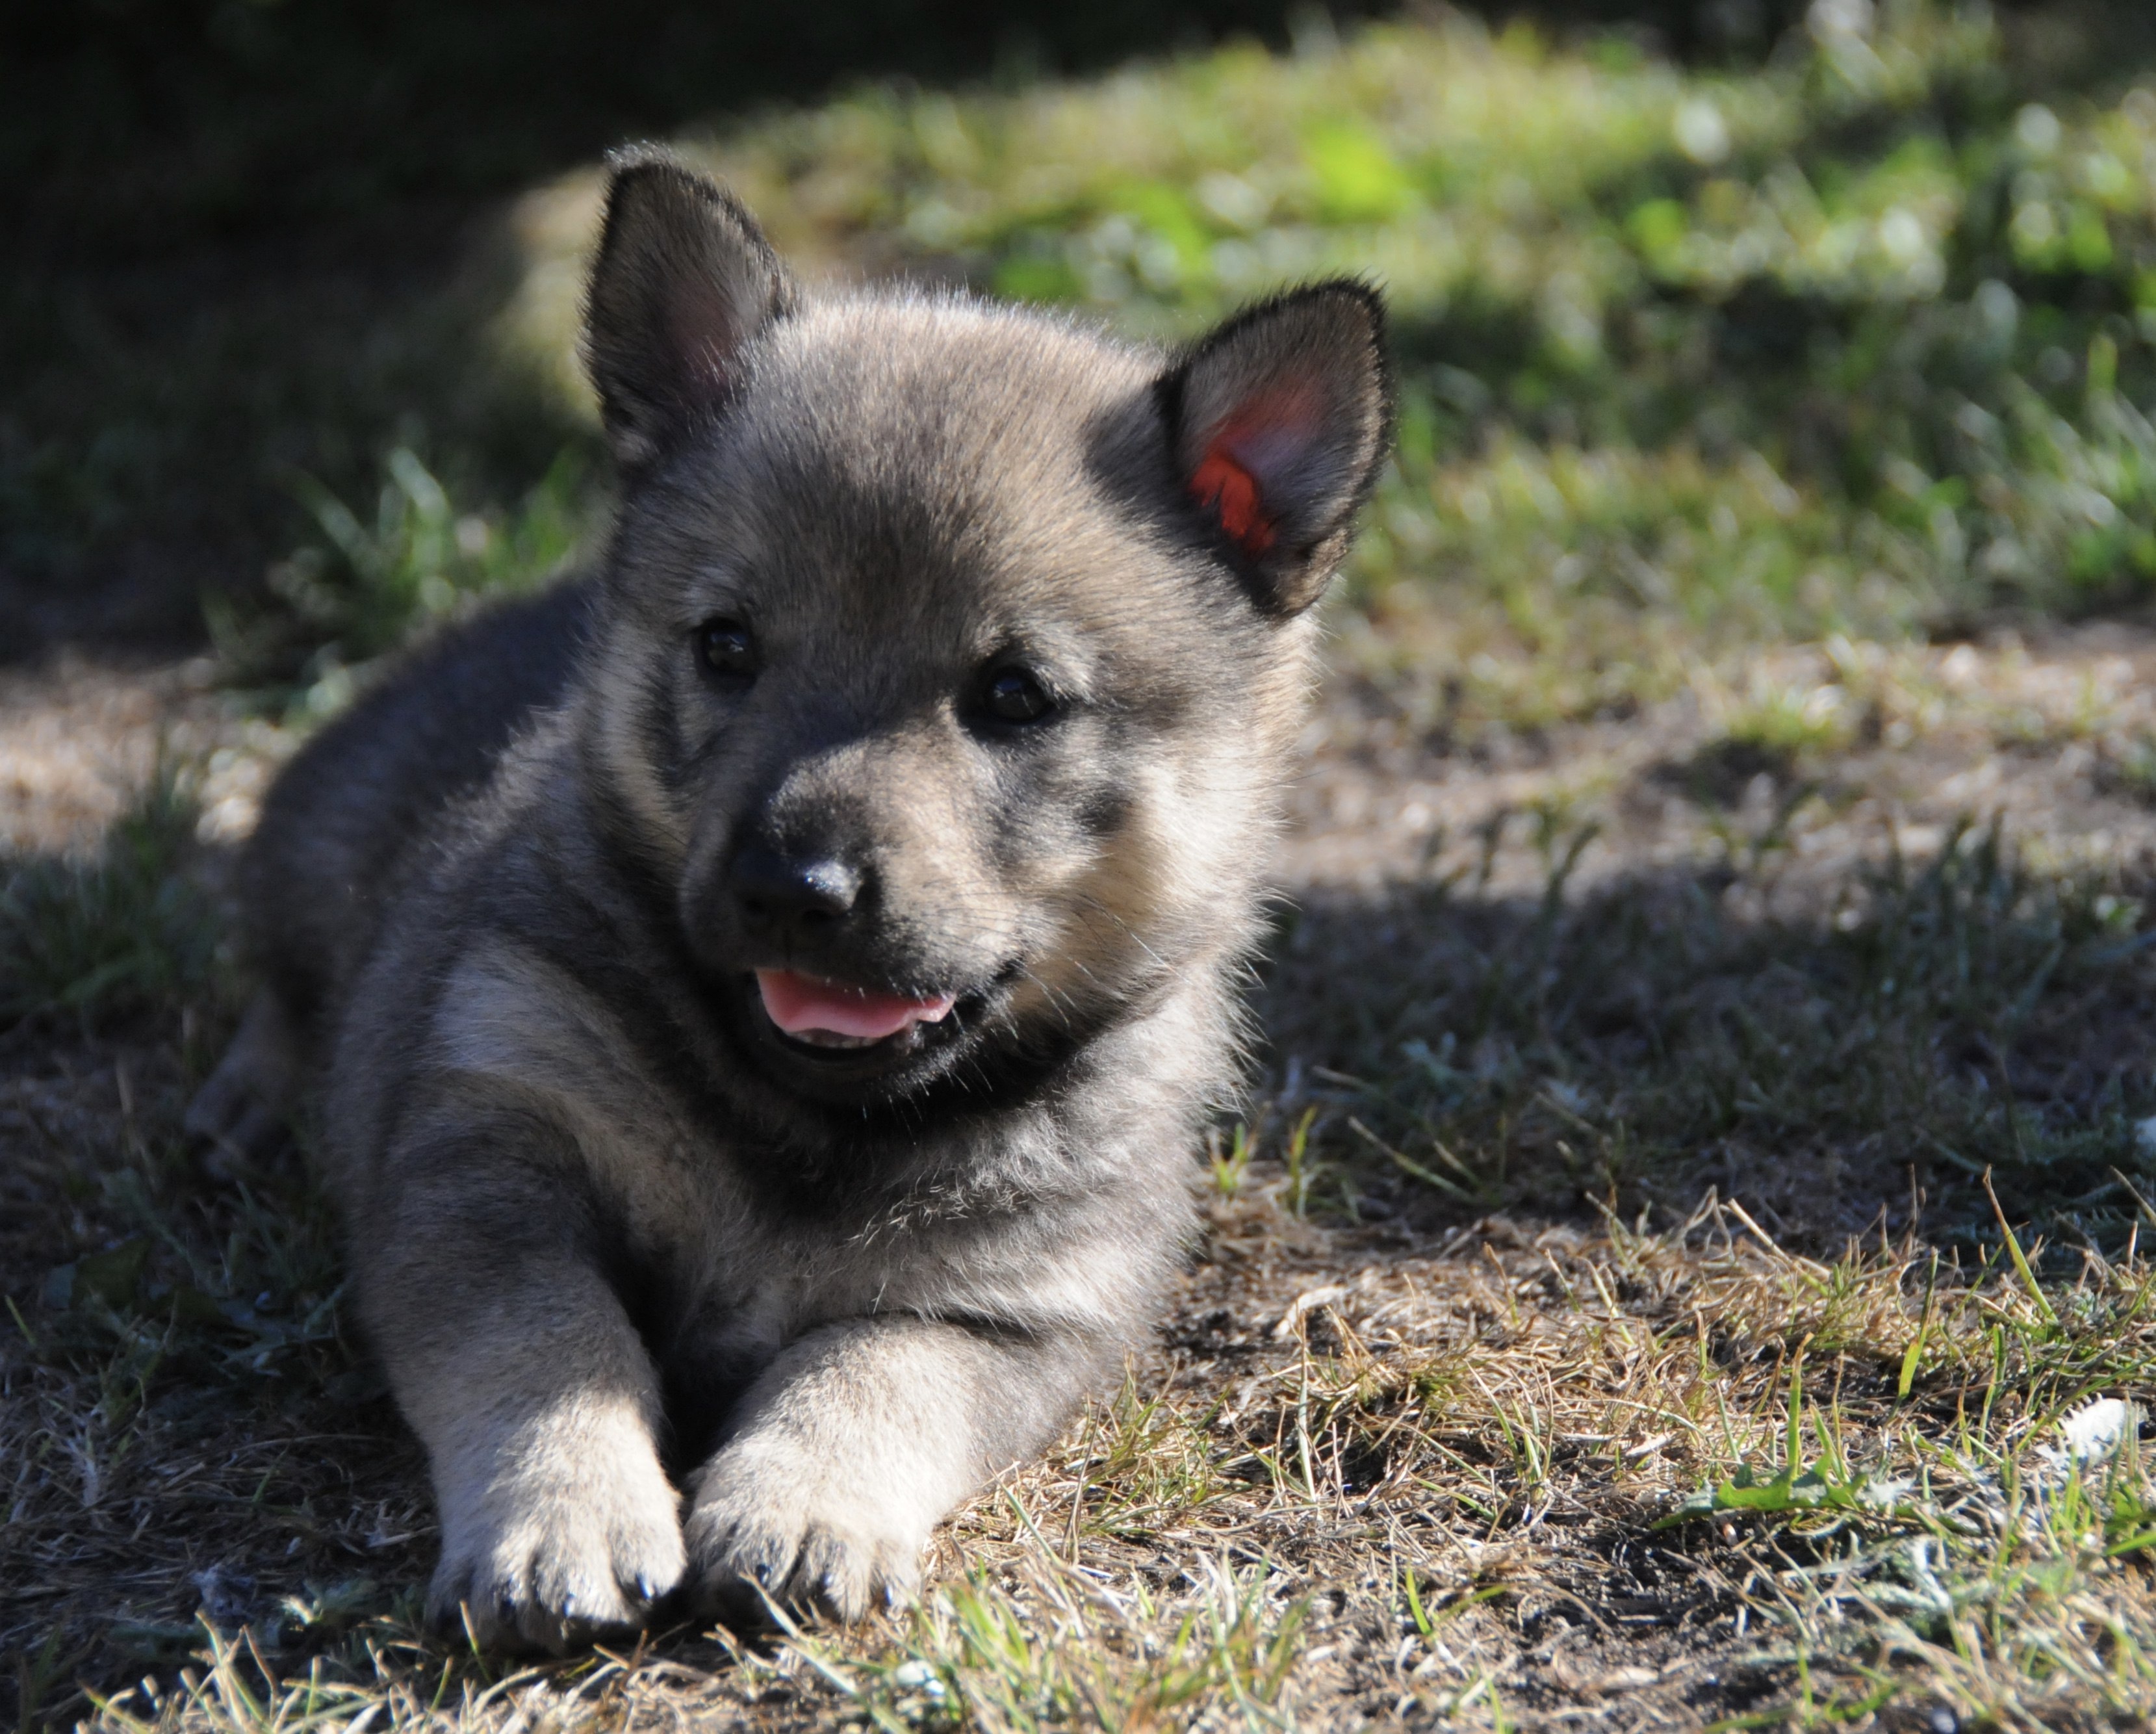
(1648, 1356)
(1605, 1315)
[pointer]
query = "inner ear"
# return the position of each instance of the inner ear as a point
(1247, 461)
(1278, 421)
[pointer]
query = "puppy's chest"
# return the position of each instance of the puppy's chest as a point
(720, 1226)
(698, 1221)
(703, 1228)
(720, 1291)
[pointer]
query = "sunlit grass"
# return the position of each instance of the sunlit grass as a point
(1726, 395)
(1855, 339)
(1688, 360)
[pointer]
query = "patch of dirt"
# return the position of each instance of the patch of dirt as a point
(1312, 1368)
(78, 738)
(2033, 734)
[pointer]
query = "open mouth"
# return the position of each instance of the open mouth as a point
(836, 1018)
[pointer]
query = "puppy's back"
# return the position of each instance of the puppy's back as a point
(341, 820)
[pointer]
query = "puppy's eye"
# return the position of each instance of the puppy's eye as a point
(725, 647)
(1014, 695)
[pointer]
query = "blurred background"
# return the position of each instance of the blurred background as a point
(1718, 319)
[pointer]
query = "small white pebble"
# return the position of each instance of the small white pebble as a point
(2097, 1429)
(917, 1677)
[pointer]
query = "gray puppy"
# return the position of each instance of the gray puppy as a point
(766, 993)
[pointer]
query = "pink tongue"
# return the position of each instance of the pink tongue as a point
(799, 1004)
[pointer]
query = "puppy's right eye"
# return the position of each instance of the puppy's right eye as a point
(726, 648)
(1015, 695)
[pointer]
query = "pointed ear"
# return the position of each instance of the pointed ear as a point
(684, 279)
(1278, 421)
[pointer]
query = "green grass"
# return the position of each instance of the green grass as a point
(362, 588)
(1692, 1180)
(130, 932)
(1687, 357)
(977, 1656)
(1757, 349)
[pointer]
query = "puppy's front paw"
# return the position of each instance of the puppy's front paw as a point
(766, 1517)
(560, 1554)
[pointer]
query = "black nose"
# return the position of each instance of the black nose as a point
(787, 897)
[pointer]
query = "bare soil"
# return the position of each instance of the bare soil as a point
(1501, 1403)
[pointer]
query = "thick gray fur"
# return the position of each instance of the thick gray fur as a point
(678, 1310)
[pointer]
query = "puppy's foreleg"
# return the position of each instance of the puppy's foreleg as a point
(855, 1443)
(537, 1403)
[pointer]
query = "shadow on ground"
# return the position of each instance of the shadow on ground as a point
(194, 1429)
(1664, 1034)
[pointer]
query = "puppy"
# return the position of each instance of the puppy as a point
(764, 995)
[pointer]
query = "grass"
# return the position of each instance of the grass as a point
(1636, 1042)
(1443, 1424)
(1742, 349)
(360, 589)
(129, 931)
(1684, 1260)
(1648, 1457)
(1688, 358)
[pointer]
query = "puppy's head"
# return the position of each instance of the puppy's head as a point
(951, 650)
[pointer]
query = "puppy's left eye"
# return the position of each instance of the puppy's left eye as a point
(726, 648)
(1015, 695)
